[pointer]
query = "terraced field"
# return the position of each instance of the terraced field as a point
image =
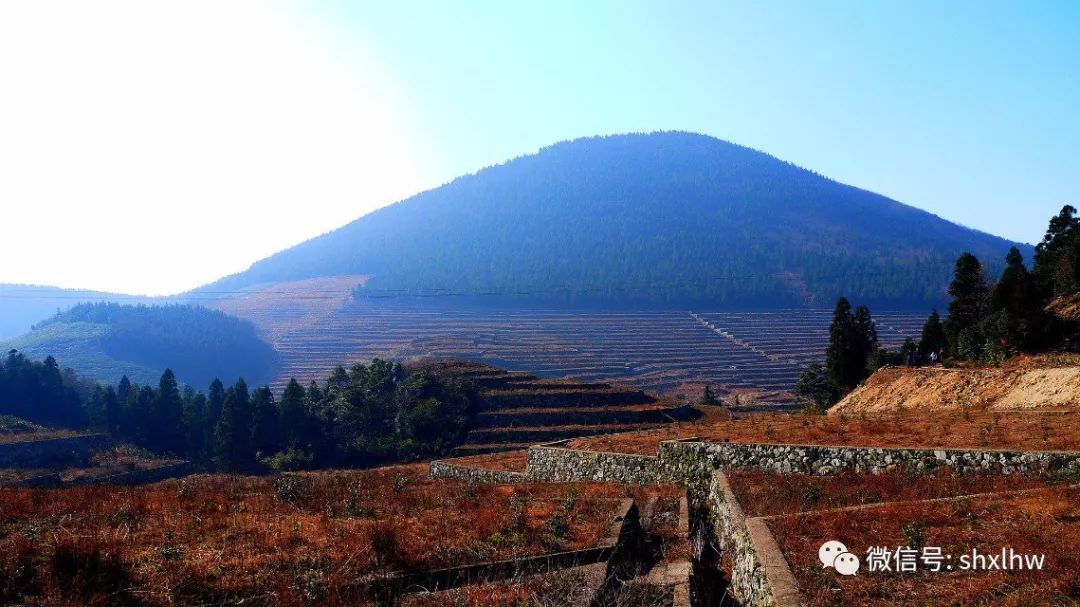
(759, 353)
(519, 409)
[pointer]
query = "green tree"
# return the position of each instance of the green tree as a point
(112, 410)
(708, 398)
(195, 426)
(1057, 258)
(292, 414)
(846, 355)
(232, 435)
(1016, 298)
(933, 334)
(265, 431)
(814, 391)
(166, 421)
(969, 298)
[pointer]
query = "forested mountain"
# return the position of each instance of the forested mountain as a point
(648, 219)
(105, 340)
(21, 306)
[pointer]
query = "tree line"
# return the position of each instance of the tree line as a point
(368, 414)
(197, 343)
(986, 322)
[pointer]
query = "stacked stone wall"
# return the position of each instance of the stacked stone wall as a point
(51, 452)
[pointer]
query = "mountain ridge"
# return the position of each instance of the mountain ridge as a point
(581, 212)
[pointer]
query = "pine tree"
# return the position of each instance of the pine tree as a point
(865, 333)
(933, 334)
(166, 423)
(265, 432)
(968, 305)
(1016, 298)
(233, 450)
(846, 356)
(1057, 258)
(195, 424)
(291, 410)
(112, 410)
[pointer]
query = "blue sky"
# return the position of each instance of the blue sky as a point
(968, 109)
(249, 126)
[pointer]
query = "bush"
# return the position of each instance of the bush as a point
(291, 488)
(289, 460)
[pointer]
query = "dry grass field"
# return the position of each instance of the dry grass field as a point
(1045, 522)
(767, 494)
(293, 540)
(1027, 430)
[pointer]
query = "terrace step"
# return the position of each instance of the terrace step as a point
(482, 448)
(542, 434)
(545, 416)
(563, 396)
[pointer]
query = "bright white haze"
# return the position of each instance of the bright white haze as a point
(182, 141)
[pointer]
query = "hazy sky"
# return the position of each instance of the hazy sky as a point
(151, 146)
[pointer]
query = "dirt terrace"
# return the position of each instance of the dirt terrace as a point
(511, 461)
(769, 494)
(1027, 430)
(298, 540)
(1044, 383)
(1044, 522)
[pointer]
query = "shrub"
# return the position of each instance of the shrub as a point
(291, 488)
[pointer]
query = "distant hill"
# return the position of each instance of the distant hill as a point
(21, 306)
(663, 219)
(106, 340)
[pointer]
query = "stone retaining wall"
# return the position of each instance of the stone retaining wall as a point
(760, 575)
(552, 463)
(446, 470)
(52, 452)
(684, 459)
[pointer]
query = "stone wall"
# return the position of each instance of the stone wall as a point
(52, 452)
(446, 470)
(759, 574)
(683, 459)
(552, 463)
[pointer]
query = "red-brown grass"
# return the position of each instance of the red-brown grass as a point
(293, 540)
(1027, 430)
(768, 494)
(1044, 522)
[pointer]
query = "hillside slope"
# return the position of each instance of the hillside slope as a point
(21, 306)
(104, 341)
(659, 219)
(1025, 384)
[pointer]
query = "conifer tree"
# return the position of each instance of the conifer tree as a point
(845, 357)
(933, 334)
(167, 418)
(265, 433)
(968, 305)
(1057, 258)
(1016, 298)
(291, 410)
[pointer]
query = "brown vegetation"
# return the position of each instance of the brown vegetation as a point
(1045, 522)
(768, 494)
(290, 540)
(943, 429)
